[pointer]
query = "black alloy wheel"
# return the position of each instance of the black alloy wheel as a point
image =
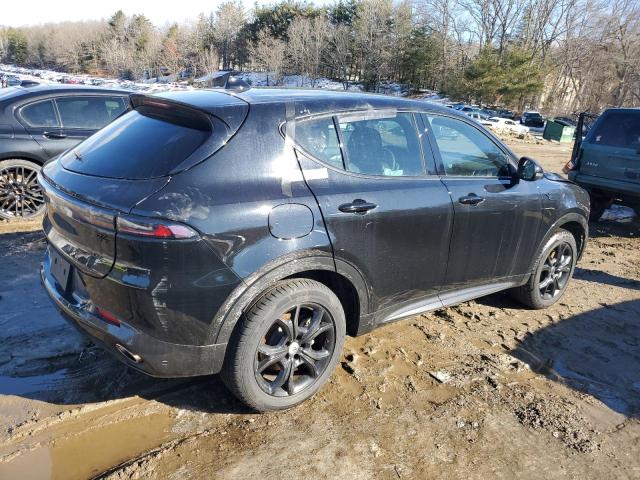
(551, 272)
(286, 346)
(556, 271)
(20, 193)
(295, 351)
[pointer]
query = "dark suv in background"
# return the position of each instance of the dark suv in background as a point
(36, 124)
(248, 232)
(607, 161)
(532, 119)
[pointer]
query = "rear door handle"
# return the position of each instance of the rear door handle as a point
(54, 135)
(357, 206)
(471, 199)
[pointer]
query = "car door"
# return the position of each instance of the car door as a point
(83, 115)
(40, 119)
(497, 218)
(384, 213)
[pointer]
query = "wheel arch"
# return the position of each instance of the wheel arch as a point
(342, 278)
(22, 156)
(573, 222)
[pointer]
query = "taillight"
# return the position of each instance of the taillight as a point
(153, 228)
(107, 316)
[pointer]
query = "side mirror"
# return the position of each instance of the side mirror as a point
(529, 169)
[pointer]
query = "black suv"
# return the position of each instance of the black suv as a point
(249, 231)
(36, 124)
(532, 119)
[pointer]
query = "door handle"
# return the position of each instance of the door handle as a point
(357, 206)
(54, 135)
(471, 199)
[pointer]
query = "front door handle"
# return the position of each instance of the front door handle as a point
(357, 206)
(471, 199)
(54, 135)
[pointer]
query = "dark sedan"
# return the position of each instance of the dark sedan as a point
(38, 123)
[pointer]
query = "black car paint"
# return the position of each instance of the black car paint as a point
(266, 211)
(40, 144)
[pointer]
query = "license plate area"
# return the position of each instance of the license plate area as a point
(60, 268)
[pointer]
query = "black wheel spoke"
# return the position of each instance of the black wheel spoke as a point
(287, 328)
(272, 359)
(284, 375)
(315, 355)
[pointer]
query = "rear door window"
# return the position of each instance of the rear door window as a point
(136, 146)
(40, 114)
(381, 143)
(617, 129)
(89, 113)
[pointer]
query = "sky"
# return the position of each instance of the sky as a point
(32, 12)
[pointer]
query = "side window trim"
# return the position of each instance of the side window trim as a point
(431, 162)
(26, 124)
(336, 126)
(436, 149)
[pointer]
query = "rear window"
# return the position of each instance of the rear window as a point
(40, 114)
(136, 146)
(617, 129)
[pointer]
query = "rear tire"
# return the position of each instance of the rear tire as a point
(599, 203)
(20, 193)
(286, 347)
(553, 269)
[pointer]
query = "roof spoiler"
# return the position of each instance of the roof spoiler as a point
(171, 111)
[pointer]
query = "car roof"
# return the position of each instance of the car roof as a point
(18, 92)
(306, 101)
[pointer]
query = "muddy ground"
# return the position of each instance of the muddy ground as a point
(482, 390)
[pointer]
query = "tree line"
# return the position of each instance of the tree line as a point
(559, 55)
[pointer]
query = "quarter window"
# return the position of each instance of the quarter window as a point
(379, 143)
(318, 137)
(40, 114)
(90, 113)
(465, 150)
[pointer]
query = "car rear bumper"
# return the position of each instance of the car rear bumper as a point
(614, 186)
(131, 346)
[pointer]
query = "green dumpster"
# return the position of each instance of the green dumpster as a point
(558, 132)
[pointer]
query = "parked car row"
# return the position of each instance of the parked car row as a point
(248, 232)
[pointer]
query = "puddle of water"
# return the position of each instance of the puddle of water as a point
(35, 383)
(86, 453)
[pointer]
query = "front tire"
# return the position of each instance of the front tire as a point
(20, 193)
(553, 269)
(286, 347)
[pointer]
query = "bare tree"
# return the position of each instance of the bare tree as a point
(229, 20)
(307, 41)
(268, 53)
